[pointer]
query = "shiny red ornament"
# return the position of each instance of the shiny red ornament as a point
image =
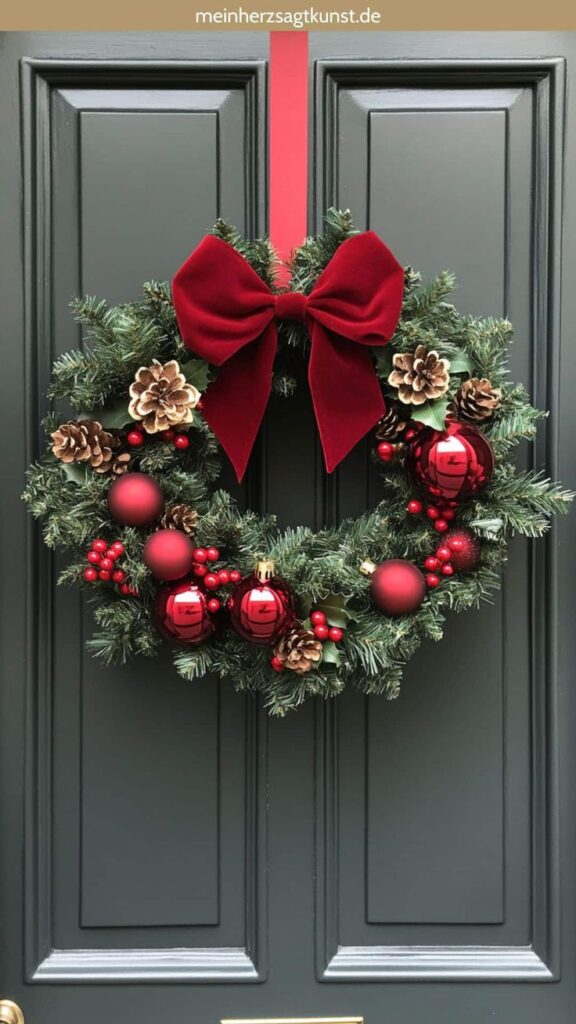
(135, 499)
(455, 463)
(397, 586)
(181, 613)
(261, 606)
(169, 554)
(464, 549)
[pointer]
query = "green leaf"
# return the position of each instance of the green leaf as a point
(432, 414)
(74, 471)
(197, 373)
(460, 362)
(330, 653)
(383, 361)
(113, 416)
(335, 610)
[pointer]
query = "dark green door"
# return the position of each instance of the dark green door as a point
(166, 853)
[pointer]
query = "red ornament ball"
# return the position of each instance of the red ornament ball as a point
(181, 613)
(261, 607)
(169, 554)
(397, 586)
(464, 549)
(135, 499)
(455, 463)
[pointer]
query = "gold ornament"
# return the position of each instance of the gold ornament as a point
(420, 376)
(476, 400)
(299, 650)
(161, 398)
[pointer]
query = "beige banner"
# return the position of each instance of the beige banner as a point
(287, 15)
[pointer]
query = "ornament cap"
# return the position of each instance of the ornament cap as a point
(367, 567)
(264, 571)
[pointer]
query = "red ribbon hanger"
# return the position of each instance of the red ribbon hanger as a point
(227, 315)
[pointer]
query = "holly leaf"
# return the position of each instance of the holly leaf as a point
(197, 373)
(460, 362)
(330, 653)
(432, 414)
(75, 472)
(113, 416)
(335, 609)
(383, 362)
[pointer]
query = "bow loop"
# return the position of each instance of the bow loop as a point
(226, 314)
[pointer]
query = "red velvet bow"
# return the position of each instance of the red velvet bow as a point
(226, 315)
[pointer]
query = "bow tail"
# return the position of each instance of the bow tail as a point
(345, 391)
(234, 405)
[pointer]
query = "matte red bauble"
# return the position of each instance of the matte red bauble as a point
(261, 606)
(464, 549)
(135, 499)
(397, 586)
(455, 463)
(181, 613)
(169, 554)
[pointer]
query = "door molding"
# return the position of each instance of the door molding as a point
(539, 959)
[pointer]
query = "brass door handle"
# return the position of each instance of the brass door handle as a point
(10, 1013)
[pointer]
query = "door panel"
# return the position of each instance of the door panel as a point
(364, 857)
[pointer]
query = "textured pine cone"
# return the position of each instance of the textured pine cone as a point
(161, 398)
(299, 650)
(393, 422)
(476, 400)
(87, 441)
(120, 464)
(179, 517)
(420, 376)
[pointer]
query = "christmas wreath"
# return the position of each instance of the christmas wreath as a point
(129, 482)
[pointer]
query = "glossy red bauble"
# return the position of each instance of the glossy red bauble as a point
(135, 499)
(455, 463)
(464, 549)
(261, 607)
(169, 554)
(397, 587)
(181, 613)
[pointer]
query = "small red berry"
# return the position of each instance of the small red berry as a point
(181, 442)
(414, 507)
(111, 554)
(235, 576)
(447, 569)
(125, 588)
(441, 526)
(432, 580)
(432, 563)
(385, 451)
(90, 574)
(410, 434)
(99, 545)
(107, 564)
(200, 555)
(94, 557)
(135, 438)
(436, 491)
(335, 634)
(277, 664)
(321, 632)
(212, 554)
(213, 605)
(443, 553)
(318, 619)
(224, 577)
(104, 574)
(211, 581)
(118, 548)
(432, 512)
(118, 576)
(168, 435)
(448, 514)
(200, 570)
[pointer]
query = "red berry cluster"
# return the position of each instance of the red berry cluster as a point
(322, 629)
(103, 558)
(212, 579)
(440, 515)
(181, 441)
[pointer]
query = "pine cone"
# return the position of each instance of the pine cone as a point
(87, 441)
(393, 422)
(420, 376)
(161, 398)
(120, 464)
(179, 517)
(299, 650)
(476, 400)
